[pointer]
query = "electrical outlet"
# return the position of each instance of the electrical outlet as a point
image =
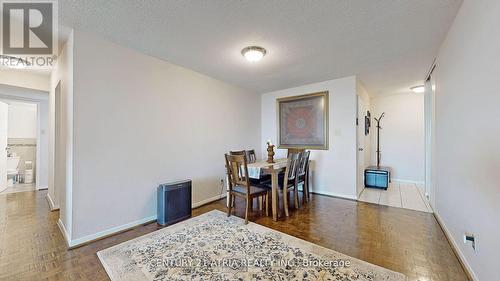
(470, 238)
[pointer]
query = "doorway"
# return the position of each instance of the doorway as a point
(403, 150)
(24, 138)
(21, 139)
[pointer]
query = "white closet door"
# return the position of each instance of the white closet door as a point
(4, 115)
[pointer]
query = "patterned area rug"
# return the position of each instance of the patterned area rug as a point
(213, 246)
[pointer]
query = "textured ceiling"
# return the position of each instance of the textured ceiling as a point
(389, 44)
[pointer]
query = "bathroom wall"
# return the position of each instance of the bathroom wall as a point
(22, 128)
(26, 150)
(22, 120)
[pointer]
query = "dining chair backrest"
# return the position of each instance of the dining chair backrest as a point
(238, 152)
(237, 170)
(295, 150)
(291, 166)
(304, 163)
(251, 157)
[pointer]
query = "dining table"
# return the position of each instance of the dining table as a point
(260, 168)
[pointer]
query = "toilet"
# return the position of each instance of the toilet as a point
(12, 170)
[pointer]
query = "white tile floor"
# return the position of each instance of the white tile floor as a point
(21, 187)
(401, 195)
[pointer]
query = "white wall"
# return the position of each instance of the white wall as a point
(334, 170)
(61, 146)
(25, 79)
(402, 139)
(22, 121)
(140, 121)
(42, 173)
(468, 134)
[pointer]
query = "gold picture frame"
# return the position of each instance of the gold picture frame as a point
(306, 116)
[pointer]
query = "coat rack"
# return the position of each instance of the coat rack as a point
(378, 137)
(378, 177)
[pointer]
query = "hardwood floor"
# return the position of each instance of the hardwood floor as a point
(32, 247)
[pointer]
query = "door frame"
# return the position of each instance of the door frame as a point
(3, 183)
(38, 147)
(58, 163)
(430, 136)
(33, 96)
(360, 165)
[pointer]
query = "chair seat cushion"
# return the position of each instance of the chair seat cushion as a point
(253, 189)
(301, 178)
(257, 182)
(281, 181)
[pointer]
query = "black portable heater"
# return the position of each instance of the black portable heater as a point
(174, 202)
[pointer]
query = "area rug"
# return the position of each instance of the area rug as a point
(213, 246)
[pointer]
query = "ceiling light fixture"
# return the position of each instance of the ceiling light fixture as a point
(253, 53)
(418, 89)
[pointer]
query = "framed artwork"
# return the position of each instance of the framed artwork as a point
(303, 121)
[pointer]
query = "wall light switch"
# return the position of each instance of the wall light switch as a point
(470, 238)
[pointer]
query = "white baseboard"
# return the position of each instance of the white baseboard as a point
(109, 231)
(408, 181)
(52, 206)
(339, 195)
(65, 234)
(209, 200)
(41, 187)
(116, 229)
(457, 250)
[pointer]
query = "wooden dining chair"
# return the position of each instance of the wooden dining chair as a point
(251, 157)
(287, 182)
(303, 175)
(295, 150)
(239, 184)
(238, 152)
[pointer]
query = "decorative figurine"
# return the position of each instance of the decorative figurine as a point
(270, 152)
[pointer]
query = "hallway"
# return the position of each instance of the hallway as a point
(19, 187)
(401, 195)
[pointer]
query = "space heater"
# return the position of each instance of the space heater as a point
(174, 202)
